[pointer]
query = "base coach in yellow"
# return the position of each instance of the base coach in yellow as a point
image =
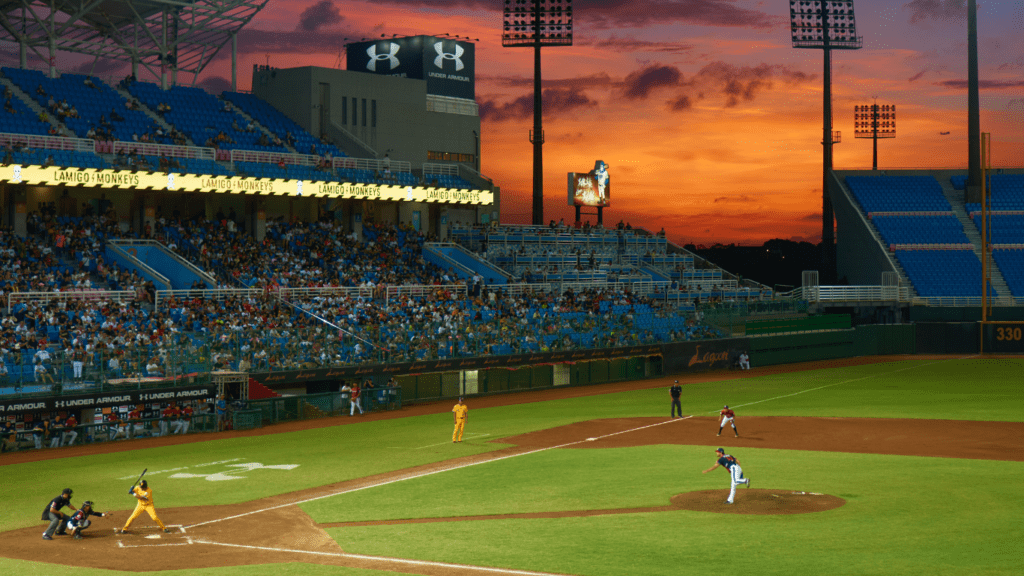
(461, 414)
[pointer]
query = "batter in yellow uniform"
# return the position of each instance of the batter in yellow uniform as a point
(461, 413)
(144, 495)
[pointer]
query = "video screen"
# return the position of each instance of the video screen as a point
(590, 188)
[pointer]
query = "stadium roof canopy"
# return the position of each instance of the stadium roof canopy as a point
(188, 33)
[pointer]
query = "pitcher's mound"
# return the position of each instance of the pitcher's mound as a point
(757, 501)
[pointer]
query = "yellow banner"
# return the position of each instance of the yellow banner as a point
(56, 176)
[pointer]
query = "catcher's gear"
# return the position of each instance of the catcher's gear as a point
(87, 504)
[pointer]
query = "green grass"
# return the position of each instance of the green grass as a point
(904, 514)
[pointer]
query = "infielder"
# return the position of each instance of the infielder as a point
(144, 495)
(676, 391)
(461, 413)
(735, 472)
(80, 520)
(728, 417)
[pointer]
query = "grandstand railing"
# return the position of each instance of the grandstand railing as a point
(421, 291)
(961, 301)
(372, 164)
(169, 150)
(285, 292)
(103, 295)
(48, 142)
(435, 168)
(850, 294)
(217, 294)
(274, 157)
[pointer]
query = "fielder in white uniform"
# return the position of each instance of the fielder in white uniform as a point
(732, 465)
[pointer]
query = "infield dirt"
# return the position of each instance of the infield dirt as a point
(281, 532)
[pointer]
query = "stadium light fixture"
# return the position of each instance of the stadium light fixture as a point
(874, 121)
(534, 24)
(825, 25)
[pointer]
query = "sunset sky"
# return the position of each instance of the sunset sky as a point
(709, 120)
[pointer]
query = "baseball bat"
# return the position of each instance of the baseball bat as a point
(132, 489)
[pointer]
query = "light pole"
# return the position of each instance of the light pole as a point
(825, 25)
(536, 23)
(874, 121)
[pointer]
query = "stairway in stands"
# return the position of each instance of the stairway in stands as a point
(956, 201)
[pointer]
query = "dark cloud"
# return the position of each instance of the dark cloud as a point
(599, 80)
(917, 76)
(101, 68)
(215, 84)
(254, 41)
(316, 16)
(736, 83)
(921, 10)
(557, 101)
(614, 14)
(639, 85)
(635, 45)
(983, 84)
(680, 104)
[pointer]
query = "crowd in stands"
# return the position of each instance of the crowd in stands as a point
(42, 340)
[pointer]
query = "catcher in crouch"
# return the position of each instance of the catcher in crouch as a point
(144, 495)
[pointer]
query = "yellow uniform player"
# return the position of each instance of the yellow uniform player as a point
(461, 413)
(144, 495)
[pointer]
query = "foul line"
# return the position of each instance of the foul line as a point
(849, 381)
(475, 435)
(539, 450)
(383, 559)
(431, 473)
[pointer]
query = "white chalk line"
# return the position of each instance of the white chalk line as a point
(188, 541)
(475, 435)
(428, 473)
(847, 382)
(384, 559)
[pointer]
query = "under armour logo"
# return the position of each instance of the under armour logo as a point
(442, 56)
(17, 173)
(374, 57)
(170, 181)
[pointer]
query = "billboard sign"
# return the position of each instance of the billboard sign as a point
(106, 178)
(590, 188)
(448, 66)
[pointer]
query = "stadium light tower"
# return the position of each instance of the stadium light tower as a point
(874, 121)
(537, 23)
(825, 25)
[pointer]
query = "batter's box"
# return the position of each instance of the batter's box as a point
(186, 542)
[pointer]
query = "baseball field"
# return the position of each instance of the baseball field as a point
(887, 465)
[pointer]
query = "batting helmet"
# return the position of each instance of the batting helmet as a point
(143, 484)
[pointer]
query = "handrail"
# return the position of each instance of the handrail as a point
(435, 168)
(48, 142)
(116, 295)
(139, 263)
(474, 256)
(274, 157)
(215, 293)
(423, 290)
(373, 164)
(169, 150)
(355, 139)
(174, 256)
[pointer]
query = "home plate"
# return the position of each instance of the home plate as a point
(153, 537)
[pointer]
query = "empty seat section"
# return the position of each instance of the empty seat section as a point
(281, 125)
(920, 229)
(898, 193)
(201, 116)
(943, 273)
